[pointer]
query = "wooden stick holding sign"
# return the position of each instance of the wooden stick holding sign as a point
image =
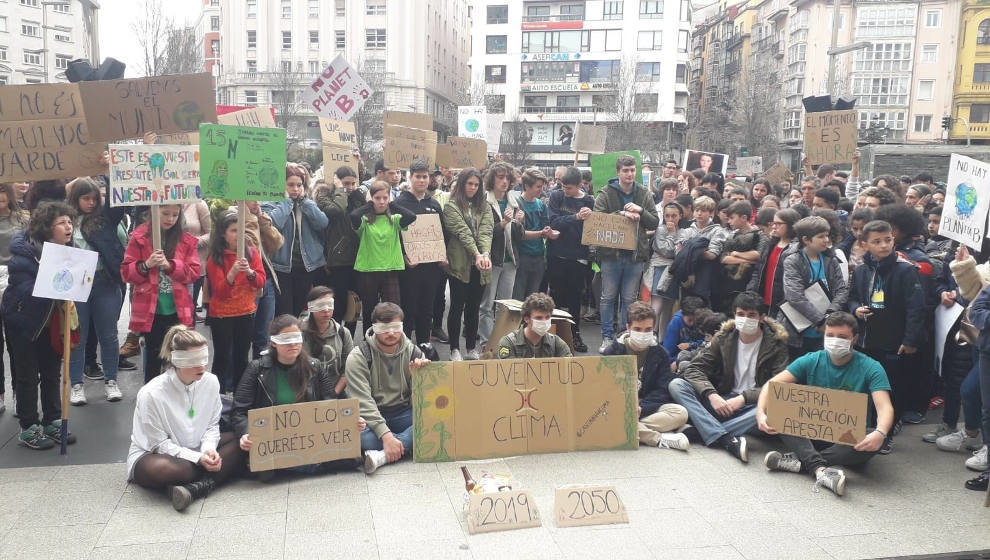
(241, 224)
(66, 353)
(156, 227)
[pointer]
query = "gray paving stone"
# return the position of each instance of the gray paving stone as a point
(134, 496)
(74, 508)
(776, 544)
(69, 542)
(151, 524)
(453, 549)
(246, 497)
(524, 544)
(323, 512)
(87, 478)
(724, 552)
(246, 536)
(153, 551)
(426, 523)
(20, 496)
(353, 545)
(594, 542)
(28, 474)
(341, 483)
(681, 528)
(407, 489)
(873, 545)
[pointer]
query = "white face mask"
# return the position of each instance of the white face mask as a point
(642, 339)
(746, 325)
(837, 348)
(540, 327)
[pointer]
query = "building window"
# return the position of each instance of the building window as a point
(535, 101)
(613, 9)
(983, 33)
(252, 39)
(60, 8)
(885, 21)
(929, 54)
(314, 39)
(681, 74)
(495, 74)
(286, 40)
(63, 37)
(32, 58)
(498, 14)
(979, 113)
(683, 36)
(3, 53)
(649, 41)
(648, 72)
(604, 100)
(538, 13)
(881, 91)
(250, 96)
(981, 73)
(495, 103)
(374, 38)
(922, 123)
(215, 47)
(252, 66)
(375, 65)
(340, 39)
(572, 12)
(496, 44)
(646, 102)
(685, 10)
(933, 18)
(30, 29)
(286, 66)
(286, 9)
(252, 8)
(3, 24)
(792, 119)
(926, 90)
(884, 57)
(650, 9)
(3, 80)
(340, 8)
(62, 61)
(33, 3)
(894, 120)
(314, 67)
(568, 100)
(375, 8)
(214, 23)
(314, 8)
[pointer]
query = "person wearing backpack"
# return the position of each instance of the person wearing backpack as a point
(325, 339)
(379, 374)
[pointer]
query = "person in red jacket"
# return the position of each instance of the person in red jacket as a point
(161, 278)
(235, 281)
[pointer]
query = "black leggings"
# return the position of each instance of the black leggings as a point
(465, 300)
(293, 290)
(153, 344)
(157, 471)
(231, 345)
(374, 287)
(36, 367)
(567, 278)
(341, 279)
(418, 286)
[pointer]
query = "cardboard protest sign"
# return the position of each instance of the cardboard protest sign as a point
(44, 134)
(589, 139)
(336, 156)
(577, 506)
(65, 273)
(306, 433)
(179, 138)
(254, 116)
(459, 153)
(421, 134)
(502, 511)
(124, 109)
(224, 109)
(241, 162)
(610, 230)
(967, 199)
(508, 317)
(830, 136)
(472, 122)
(603, 168)
(817, 413)
(338, 92)
(494, 134)
(411, 120)
(153, 174)
(341, 133)
(709, 161)
(500, 408)
(777, 173)
(749, 165)
(401, 150)
(423, 240)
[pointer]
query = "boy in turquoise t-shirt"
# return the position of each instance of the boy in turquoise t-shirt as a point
(535, 219)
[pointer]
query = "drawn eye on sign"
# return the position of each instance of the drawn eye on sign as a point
(260, 423)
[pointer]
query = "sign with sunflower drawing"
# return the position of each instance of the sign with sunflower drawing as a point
(501, 408)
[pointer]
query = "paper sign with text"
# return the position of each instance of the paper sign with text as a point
(610, 230)
(44, 134)
(576, 506)
(411, 120)
(830, 136)
(459, 153)
(399, 152)
(589, 139)
(153, 174)
(124, 109)
(500, 408)
(336, 156)
(749, 165)
(502, 511)
(817, 413)
(494, 134)
(260, 117)
(341, 133)
(338, 92)
(303, 434)
(423, 240)
(242, 162)
(472, 122)
(967, 199)
(65, 273)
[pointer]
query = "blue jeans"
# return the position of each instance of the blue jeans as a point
(263, 317)
(985, 394)
(620, 281)
(703, 418)
(103, 307)
(972, 402)
(400, 423)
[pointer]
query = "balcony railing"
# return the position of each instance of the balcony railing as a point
(554, 17)
(554, 109)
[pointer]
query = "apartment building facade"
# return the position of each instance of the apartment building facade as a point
(38, 38)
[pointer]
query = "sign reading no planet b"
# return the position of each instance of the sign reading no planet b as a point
(153, 174)
(241, 162)
(967, 198)
(338, 92)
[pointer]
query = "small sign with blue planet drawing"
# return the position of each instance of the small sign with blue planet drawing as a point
(65, 273)
(967, 201)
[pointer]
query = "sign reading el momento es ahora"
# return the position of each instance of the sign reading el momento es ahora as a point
(501, 408)
(153, 174)
(830, 136)
(242, 162)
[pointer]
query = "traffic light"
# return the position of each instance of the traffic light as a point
(946, 123)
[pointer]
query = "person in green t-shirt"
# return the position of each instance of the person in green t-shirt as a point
(838, 367)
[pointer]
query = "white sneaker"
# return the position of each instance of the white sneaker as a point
(959, 440)
(455, 356)
(472, 354)
(606, 342)
(373, 460)
(673, 440)
(978, 462)
(832, 478)
(943, 429)
(77, 396)
(113, 391)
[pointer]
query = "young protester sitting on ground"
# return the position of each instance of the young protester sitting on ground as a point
(379, 375)
(176, 442)
(325, 339)
(720, 386)
(659, 416)
(285, 375)
(533, 338)
(682, 331)
(838, 367)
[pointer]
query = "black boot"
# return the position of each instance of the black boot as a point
(184, 494)
(579, 345)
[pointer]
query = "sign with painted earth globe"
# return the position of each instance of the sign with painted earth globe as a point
(966, 200)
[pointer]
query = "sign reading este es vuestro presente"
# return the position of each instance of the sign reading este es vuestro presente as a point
(817, 413)
(423, 240)
(241, 162)
(609, 230)
(303, 434)
(153, 174)
(830, 136)
(500, 408)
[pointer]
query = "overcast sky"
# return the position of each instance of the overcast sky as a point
(116, 38)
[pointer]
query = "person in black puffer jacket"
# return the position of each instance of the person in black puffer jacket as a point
(567, 258)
